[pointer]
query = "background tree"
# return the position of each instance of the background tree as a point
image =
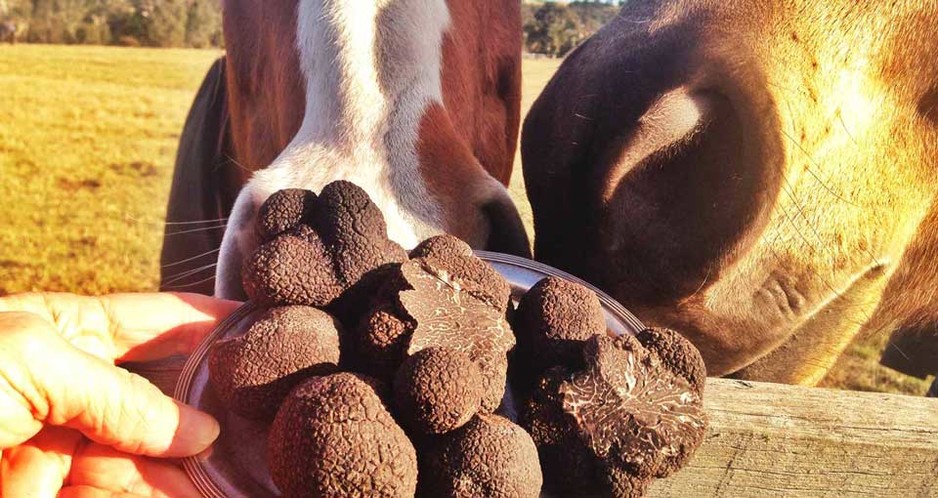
(555, 29)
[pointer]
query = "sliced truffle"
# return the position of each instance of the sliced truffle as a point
(553, 321)
(438, 390)
(571, 469)
(490, 456)
(447, 270)
(334, 437)
(448, 316)
(629, 407)
(254, 372)
(634, 419)
(452, 260)
(324, 246)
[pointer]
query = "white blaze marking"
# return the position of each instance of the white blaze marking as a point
(371, 70)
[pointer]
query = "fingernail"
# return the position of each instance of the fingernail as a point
(197, 431)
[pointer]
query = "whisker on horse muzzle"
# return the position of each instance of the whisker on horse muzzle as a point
(172, 279)
(189, 260)
(188, 286)
(196, 230)
(176, 223)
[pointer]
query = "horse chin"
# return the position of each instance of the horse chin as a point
(239, 242)
(778, 335)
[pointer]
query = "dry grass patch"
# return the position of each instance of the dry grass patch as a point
(87, 142)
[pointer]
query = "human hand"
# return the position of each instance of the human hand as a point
(72, 424)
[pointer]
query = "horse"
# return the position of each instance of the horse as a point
(416, 101)
(760, 175)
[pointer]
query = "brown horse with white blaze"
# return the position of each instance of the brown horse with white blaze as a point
(761, 175)
(416, 101)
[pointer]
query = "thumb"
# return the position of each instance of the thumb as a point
(110, 405)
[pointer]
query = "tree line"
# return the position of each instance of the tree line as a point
(157, 23)
(550, 28)
(554, 29)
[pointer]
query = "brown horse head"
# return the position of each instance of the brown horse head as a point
(759, 174)
(416, 101)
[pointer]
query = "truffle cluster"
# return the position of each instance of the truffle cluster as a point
(607, 413)
(385, 374)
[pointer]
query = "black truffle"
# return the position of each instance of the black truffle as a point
(490, 456)
(452, 259)
(449, 316)
(334, 437)
(678, 354)
(445, 298)
(438, 390)
(324, 246)
(633, 417)
(553, 321)
(283, 211)
(254, 372)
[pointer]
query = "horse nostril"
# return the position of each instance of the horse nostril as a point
(928, 106)
(692, 185)
(506, 230)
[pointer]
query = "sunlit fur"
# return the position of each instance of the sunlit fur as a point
(838, 99)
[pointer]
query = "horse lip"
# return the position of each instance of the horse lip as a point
(794, 310)
(240, 241)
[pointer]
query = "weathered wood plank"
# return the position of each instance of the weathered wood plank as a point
(774, 440)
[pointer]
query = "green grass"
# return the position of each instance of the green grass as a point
(87, 141)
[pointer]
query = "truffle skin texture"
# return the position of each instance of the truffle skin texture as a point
(253, 373)
(342, 237)
(570, 468)
(441, 246)
(379, 342)
(490, 456)
(284, 211)
(292, 269)
(553, 321)
(333, 437)
(438, 390)
(354, 228)
(678, 354)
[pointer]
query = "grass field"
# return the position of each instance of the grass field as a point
(87, 142)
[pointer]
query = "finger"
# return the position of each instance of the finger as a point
(91, 492)
(67, 387)
(104, 468)
(38, 468)
(118, 326)
(152, 326)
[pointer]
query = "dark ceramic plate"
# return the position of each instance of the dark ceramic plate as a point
(236, 466)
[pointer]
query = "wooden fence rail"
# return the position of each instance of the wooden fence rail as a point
(772, 440)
